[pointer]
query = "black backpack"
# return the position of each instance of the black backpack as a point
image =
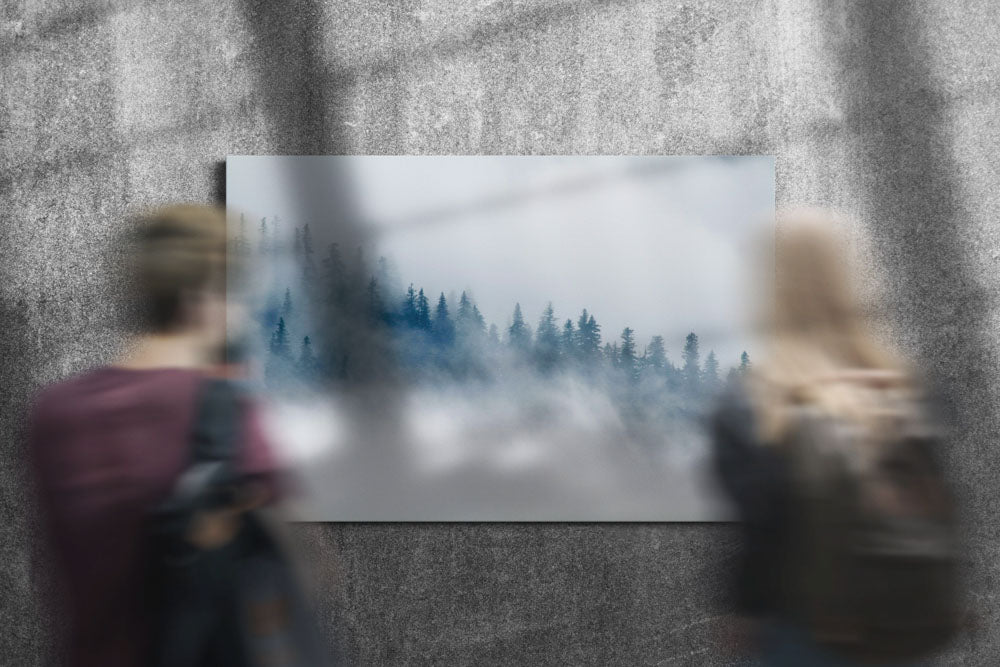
(238, 605)
(873, 564)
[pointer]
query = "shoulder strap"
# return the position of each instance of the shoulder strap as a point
(213, 445)
(215, 434)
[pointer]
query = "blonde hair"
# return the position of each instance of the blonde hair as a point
(822, 346)
(178, 250)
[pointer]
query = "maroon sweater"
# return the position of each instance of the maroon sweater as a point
(107, 446)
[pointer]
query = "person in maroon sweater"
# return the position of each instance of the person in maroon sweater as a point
(109, 444)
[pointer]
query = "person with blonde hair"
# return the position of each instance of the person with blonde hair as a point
(820, 333)
(828, 450)
(109, 444)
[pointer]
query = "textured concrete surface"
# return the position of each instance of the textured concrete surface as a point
(886, 110)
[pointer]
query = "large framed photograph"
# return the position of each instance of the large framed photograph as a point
(497, 338)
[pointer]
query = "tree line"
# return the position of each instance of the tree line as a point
(432, 339)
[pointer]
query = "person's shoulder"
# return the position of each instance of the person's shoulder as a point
(53, 406)
(57, 393)
(82, 387)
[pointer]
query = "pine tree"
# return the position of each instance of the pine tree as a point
(444, 329)
(611, 354)
(744, 363)
(307, 361)
(626, 355)
(547, 340)
(464, 313)
(478, 319)
(279, 364)
(279, 340)
(262, 246)
(470, 330)
(469, 322)
(656, 354)
(582, 331)
(567, 345)
(470, 333)
(711, 372)
(588, 333)
(691, 372)
(423, 311)
(270, 312)
(494, 335)
(286, 306)
(409, 309)
(519, 334)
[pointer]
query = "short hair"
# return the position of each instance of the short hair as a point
(178, 250)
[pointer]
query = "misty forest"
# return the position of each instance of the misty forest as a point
(332, 319)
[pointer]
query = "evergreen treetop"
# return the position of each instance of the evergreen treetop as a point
(423, 311)
(279, 340)
(656, 353)
(692, 361)
(711, 372)
(519, 334)
(444, 329)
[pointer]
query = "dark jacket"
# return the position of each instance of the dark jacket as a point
(108, 446)
(756, 479)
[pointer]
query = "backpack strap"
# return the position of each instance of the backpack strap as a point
(210, 477)
(216, 424)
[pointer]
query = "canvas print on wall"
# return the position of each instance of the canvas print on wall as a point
(499, 338)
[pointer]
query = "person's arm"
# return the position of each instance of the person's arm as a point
(262, 482)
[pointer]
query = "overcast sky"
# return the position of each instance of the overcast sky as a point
(661, 244)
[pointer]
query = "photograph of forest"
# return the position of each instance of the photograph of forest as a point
(498, 382)
(433, 342)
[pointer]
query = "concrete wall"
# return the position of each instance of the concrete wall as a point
(886, 110)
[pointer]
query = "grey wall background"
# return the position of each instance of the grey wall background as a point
(886, 110)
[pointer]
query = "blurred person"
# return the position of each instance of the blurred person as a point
(161, 456)
(829, 450)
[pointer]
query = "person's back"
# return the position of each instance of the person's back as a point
(821, 452)
(108, 445)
